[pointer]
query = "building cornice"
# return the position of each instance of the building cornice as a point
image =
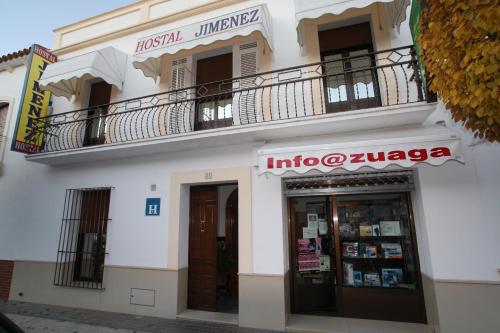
(145, 22)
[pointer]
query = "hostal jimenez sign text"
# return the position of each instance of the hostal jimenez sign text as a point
(200, 30)
(28, 138)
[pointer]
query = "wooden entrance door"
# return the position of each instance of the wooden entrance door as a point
(202, 276)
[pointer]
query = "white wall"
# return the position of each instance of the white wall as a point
(267, 224)
(456, 206)
(32, 198)
(461, 210)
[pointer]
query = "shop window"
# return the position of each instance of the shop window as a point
(82, 242)
(350, 81)
(354, 249)
(214, 106)
(95, 129)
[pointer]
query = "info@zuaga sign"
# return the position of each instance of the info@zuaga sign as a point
(353, 158)
(217, 25)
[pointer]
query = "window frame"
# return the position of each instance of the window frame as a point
(86, 212)
(352, 103)
(218, 90)
(5, 130)
(96, 116)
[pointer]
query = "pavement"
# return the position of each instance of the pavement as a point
(34, 318)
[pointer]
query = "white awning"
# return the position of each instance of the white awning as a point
(149, 49)
(404, 147)
(312, 9)
(61, 78)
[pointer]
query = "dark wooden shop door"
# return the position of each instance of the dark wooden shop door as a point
(202, 276)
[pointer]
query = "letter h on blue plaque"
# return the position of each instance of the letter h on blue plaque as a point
(152, 206)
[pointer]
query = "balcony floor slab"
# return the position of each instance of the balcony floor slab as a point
(345, 122)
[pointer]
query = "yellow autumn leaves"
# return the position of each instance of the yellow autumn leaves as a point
(461, 53)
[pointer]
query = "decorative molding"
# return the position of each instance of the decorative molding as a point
(144, 23)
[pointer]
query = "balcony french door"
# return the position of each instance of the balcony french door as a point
(95, 127)
(350, 81)
(214, 108)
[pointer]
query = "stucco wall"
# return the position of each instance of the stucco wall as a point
(456, 205)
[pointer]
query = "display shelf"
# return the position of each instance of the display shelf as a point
(375, 243)
(410, 287)
(351, 239)
(365, 258)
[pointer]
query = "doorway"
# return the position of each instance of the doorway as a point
(213, 248)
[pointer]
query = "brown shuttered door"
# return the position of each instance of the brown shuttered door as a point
(213, 111)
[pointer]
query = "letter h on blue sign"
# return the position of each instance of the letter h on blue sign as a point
(152, 206)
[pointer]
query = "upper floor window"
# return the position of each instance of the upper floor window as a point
(4, 109)
(100, 93)
(349, 68)
(214, 106)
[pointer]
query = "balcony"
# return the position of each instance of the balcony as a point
(363, 92)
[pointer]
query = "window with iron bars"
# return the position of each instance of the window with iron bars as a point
(82, 239)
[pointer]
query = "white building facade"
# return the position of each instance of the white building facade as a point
(272, 161)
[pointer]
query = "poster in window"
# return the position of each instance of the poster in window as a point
(322, 227)
(391, 277)
(391, 250)
(347, 230)
(358, 278)
(308, 262)
(324, 262)
(350, 249)
(365, 230)
(367, 250)
(309, 245)
(348, 274)
(308, 232)
(371, 279)
(390, 228)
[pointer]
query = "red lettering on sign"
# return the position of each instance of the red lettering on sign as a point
(357, 158)
(335, 159)
(440, 152)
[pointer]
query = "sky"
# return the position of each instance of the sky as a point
(25, 22)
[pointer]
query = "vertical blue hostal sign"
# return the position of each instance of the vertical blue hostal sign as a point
(152, 206)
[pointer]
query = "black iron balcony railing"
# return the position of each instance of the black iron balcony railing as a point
(381, 78)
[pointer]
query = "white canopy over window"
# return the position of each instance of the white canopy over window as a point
(404, 147)
(312, 9)
(149, 49)
(61, 78)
